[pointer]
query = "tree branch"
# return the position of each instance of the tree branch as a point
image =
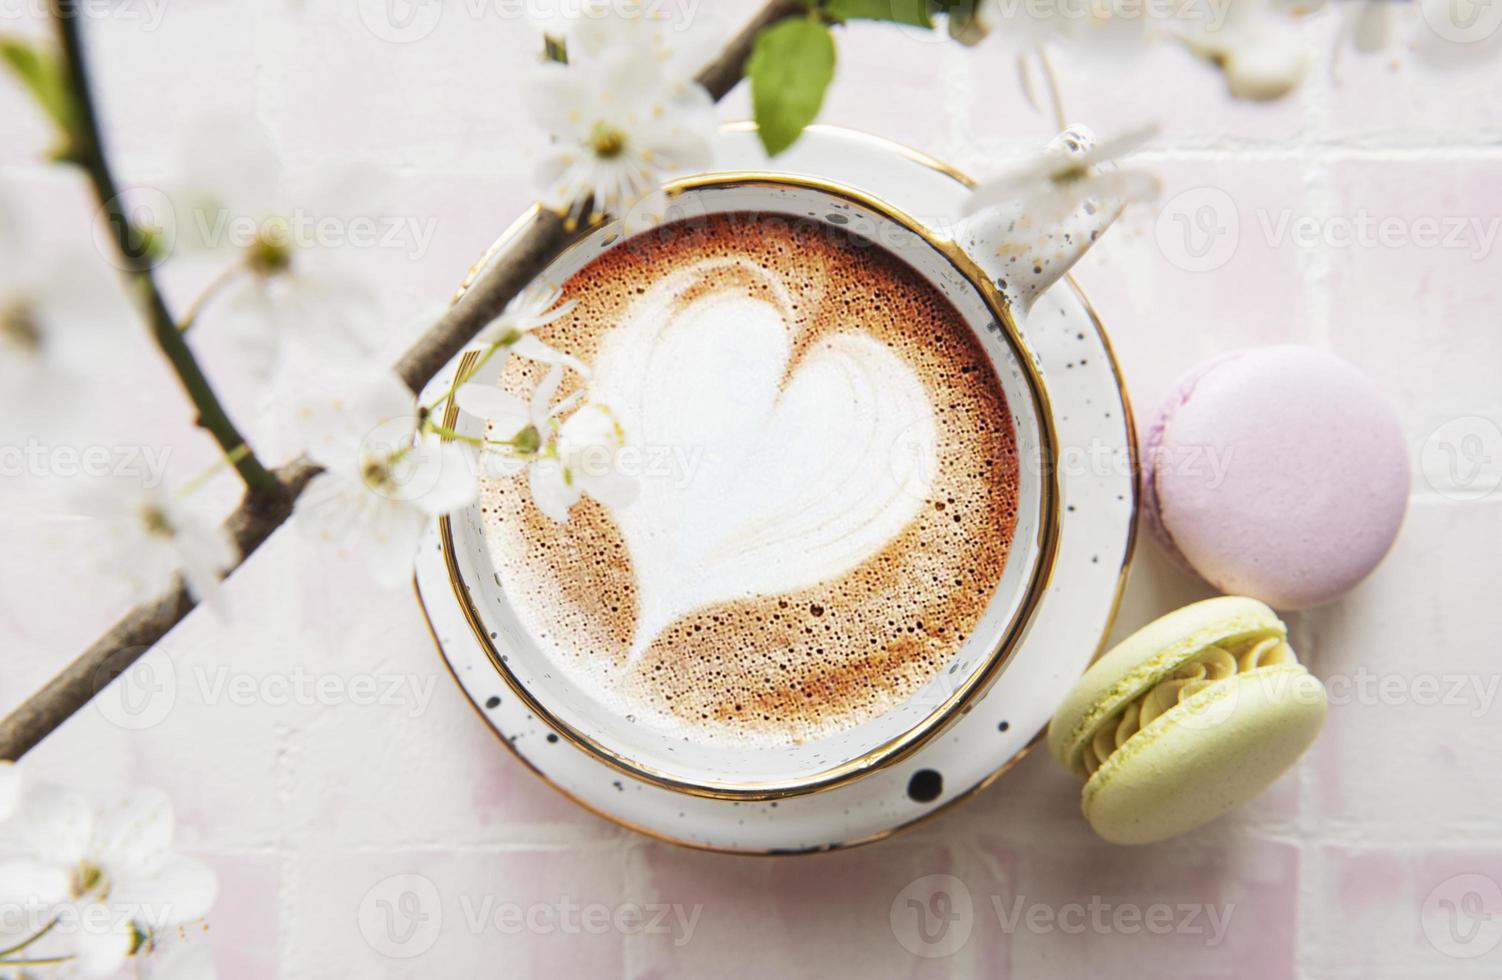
(258, 516)
(87, 150)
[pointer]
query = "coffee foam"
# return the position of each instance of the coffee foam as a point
(793, 480)
(846, 509)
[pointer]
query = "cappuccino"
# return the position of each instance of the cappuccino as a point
(827, 484)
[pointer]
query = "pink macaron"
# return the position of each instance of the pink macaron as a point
(1280, 473)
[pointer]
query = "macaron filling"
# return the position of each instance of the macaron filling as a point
(1212, 665)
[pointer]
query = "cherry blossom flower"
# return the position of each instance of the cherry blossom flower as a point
(618, 122)
(283, 294)
(96, 890)
(148, 536)
(565, 458)
(49, 303)
(386, 473)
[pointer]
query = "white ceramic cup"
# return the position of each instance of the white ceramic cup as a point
(762, 771)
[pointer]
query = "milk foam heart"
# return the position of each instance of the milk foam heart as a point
(799, 462)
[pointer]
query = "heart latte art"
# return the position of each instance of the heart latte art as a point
(826, 484)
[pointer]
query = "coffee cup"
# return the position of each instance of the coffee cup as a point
(855, 509)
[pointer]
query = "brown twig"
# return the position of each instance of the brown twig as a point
(252, 523)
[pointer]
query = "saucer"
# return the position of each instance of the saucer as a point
(1097, 481)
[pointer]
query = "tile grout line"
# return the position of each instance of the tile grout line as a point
(284, 776)
(1310, 851)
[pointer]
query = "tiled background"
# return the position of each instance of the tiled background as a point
(1358, 864)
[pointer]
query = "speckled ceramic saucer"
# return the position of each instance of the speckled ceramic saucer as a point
(1096, 480)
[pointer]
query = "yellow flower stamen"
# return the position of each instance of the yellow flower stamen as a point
(19, 327)
(155, 520)
(527, 440)
(606, 141)
(376, 472)
(90, 879)
(271, 252)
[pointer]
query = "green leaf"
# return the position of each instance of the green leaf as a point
(912, 12)
(41, 72)
(790, 68)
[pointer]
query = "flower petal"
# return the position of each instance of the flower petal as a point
(613, 489)
(175, 890)
(238, 168)
(365, 410)
(383, 529)
(328, 314)
(590, 441)
(1011, 186)
(26, 883)
(1120, 145)
(52, 824)
(498, 464)
(1125, 187)
(331, 508)
(178, 956)
(448, 476)
(12, 781)
(555, 97)
(204, 549)
(542, 395)
(507, 412)
(135, 834)
(250, 320)
(550, 492)
(102, 943)
(390, 544)
(530, 347)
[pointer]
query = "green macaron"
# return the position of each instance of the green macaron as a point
(1186, 719)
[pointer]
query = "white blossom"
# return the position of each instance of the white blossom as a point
(283, 296)
(383, 478)
(618, 121)
(51, 302)
(566, 457)
(107, 884)
(146, 536)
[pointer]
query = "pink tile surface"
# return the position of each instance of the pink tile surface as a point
(247, 928)
(390, 835)
(1169, 910)
(1428, 272)
(1421, 912)
(1163, 269)
(843, 913)
(398, 913)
